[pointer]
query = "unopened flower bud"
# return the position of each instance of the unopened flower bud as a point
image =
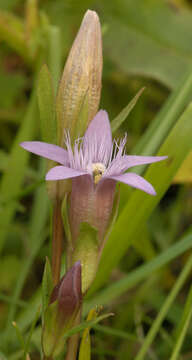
(62, 310)
(79, 91)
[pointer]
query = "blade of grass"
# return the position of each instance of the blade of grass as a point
(116, 332)
(166, 118)
(183, 326)
(141, 205)
(165, 308)
(118, 288)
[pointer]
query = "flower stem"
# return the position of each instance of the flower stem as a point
(73, 341)
(57, 241)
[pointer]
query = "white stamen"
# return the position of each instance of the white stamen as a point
(97, 170)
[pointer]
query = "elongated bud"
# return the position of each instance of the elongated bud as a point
(80, 88)
(62, 310)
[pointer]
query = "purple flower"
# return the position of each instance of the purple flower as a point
(95, 155)
(95, 163)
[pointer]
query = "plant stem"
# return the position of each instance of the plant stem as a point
(73, 341)
(57, 241)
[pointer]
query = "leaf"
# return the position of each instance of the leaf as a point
(141, 205)
(139, 43)
(117, 122)
(46, 100)
(86, 324)
(183, 327)
(47, 285)
(85, 346)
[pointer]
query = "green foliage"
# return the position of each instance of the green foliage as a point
(46, 100)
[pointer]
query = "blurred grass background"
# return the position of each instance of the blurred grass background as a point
(146, 43)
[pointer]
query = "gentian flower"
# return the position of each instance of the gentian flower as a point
(95, 164)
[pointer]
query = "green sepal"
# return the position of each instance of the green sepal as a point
(54, 330)
(47, 286)
(86, 251)
(46, 100)
(50, 329)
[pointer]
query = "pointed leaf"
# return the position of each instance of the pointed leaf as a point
(47, 285)
(85, 346)
(46, 102)
(117, 122)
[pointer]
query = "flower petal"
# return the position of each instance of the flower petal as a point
(134, 160)
(63, 172)
(135, 181)
(120, 164)
(48, 151)
(98, 138)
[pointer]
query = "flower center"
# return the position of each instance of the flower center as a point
(98, 169)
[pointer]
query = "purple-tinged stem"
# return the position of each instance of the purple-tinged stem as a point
(57, 241)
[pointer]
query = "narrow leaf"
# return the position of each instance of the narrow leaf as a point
(47, 285)
(117, 122)
(85, 346)
(46, 102)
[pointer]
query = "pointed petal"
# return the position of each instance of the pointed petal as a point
(134, 160)
(48, 151)
(63, 172)
(98, 137)
(135, 181)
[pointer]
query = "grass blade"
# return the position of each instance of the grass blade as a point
(165, 308)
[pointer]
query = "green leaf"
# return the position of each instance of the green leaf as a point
(46, 100)
(117, 122)
(87, 252)
(139, 43)
(183, 326)
(165, 119)
(85, 345)
(85, 324)
(47, 285)
(140, 204)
